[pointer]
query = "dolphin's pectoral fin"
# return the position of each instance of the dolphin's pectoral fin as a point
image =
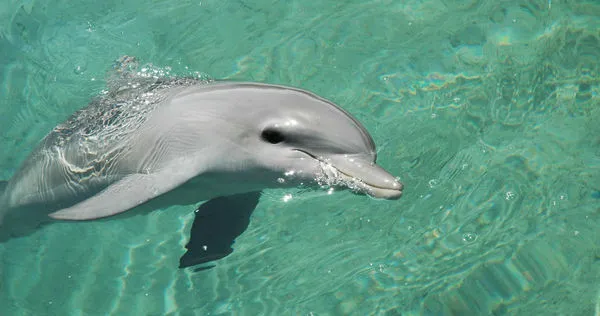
(217, 224)
(123, 195)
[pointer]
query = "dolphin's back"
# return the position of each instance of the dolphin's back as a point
(83, 155)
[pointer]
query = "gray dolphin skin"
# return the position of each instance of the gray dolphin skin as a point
(184, 141)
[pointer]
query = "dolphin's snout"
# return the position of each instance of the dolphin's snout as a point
(377, 182)
(386, 193)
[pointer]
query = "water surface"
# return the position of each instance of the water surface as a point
(487, 110)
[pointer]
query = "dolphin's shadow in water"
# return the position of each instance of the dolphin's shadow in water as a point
(217, 224)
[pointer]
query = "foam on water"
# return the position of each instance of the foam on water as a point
(330, 177)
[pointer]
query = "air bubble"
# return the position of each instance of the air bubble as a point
(469, 237)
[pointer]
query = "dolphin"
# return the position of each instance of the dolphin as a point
(182, 141)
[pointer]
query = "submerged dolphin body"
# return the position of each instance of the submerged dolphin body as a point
(183, 141)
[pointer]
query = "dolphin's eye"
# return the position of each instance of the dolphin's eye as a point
(272, 136)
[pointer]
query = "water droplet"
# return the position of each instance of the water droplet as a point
(469, 237)
(433, 183)
(509, 195)
(287, 197)
(290, 173)
(79, 69)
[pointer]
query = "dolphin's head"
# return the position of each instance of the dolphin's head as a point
(296, 137)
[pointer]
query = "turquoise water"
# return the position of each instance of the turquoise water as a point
(487, 110)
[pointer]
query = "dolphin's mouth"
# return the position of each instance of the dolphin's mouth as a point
(358, 175)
